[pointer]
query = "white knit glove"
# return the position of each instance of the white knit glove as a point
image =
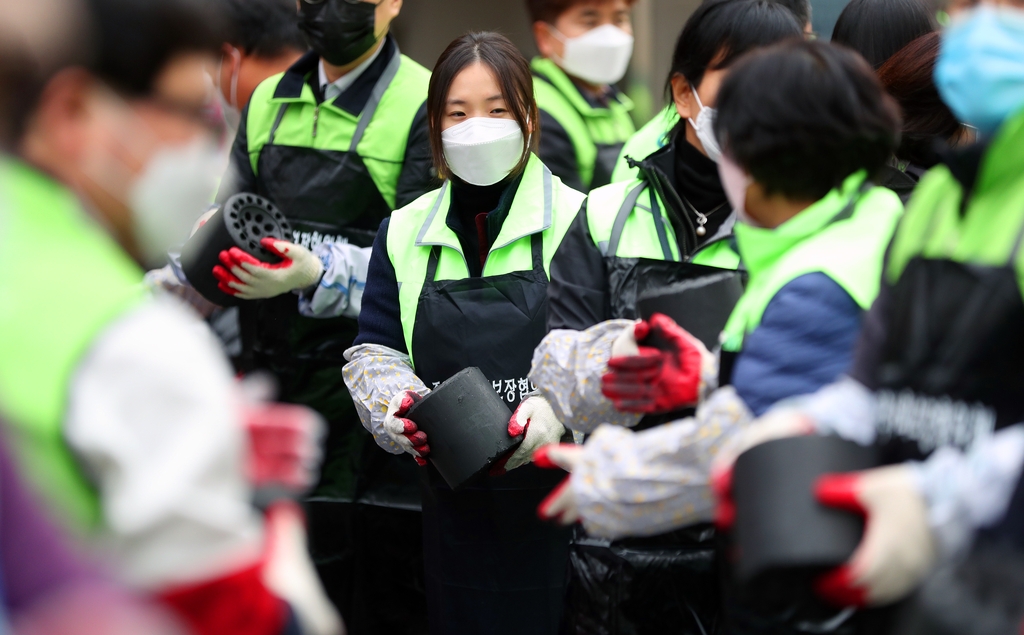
(247, 278)
(897, 550)
(561, 506)
(537, 420)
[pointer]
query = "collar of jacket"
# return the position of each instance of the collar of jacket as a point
(525, 216)
(301, 82)
(546, 70)
(761, 247)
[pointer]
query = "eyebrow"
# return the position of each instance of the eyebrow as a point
(462, 102)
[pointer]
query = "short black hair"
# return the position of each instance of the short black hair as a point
(801, 10)
(264, 28)
(877, 29)
(720, 31)
(801, 117)
(135, 39)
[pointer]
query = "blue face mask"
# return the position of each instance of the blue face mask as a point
(980, 70)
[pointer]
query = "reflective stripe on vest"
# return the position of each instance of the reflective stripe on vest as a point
(542, 204)
(380, 140)
(622, 225)
(586, 125)
(844, 236)
(62, 281)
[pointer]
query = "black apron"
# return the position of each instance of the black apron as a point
(658, 584)
(492, 566)
(952, 366)
(365, 496)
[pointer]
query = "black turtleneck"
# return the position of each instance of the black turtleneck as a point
(696, 178)
(683, 171)
(476, 216)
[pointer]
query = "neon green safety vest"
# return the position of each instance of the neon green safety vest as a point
(542, 204)
(652, 137)
(985, 232)
(622, 226)
(589, 128)
(326, 127)
(844, 236)
(63, 280)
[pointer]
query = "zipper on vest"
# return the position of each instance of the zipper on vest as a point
(316, 119)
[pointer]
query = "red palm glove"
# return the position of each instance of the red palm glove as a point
(403, 432)
(284, 446)
(897, 549)
(250, 279)
(656, 381)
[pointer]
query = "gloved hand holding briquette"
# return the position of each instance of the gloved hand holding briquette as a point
(649, 380)
(403, 432)
(247, 278)
(534, 418)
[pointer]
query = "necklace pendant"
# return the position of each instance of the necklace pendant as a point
(701, 231)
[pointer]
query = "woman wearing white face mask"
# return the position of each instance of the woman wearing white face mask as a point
(459, 279)
(585, 48)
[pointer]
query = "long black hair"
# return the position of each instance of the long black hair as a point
(877, 29)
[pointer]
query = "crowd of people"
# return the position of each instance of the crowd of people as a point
(176, 460)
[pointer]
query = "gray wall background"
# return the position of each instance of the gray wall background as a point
(426, 27)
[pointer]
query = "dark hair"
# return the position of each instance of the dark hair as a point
(909, 77)
(512, 71)
(801, 117)
(801, 10)
(878, 28)
(550, 10)
(135, 39)
(264, 28)
(720, 31)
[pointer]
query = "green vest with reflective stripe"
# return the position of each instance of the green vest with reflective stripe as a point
(622, 226)
(844, 236)
(985, 232)
(587, 126)
(652, 137)
(63, 280)
(307, 124)
(542, 204)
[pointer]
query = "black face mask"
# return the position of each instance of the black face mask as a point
(340, 31)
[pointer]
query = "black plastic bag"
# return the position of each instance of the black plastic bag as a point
(663, 585)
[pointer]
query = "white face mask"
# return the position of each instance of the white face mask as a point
(735, 182)
(599, 56)
(176, 185)
(483, 151)
(704, 126)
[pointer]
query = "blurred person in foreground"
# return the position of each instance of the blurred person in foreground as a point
(657, 133)
(585, 48)
(123, 412)
(938, 378)
(802, 126)
(47, 588)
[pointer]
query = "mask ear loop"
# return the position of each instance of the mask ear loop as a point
(236, 70)
(693, 123)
